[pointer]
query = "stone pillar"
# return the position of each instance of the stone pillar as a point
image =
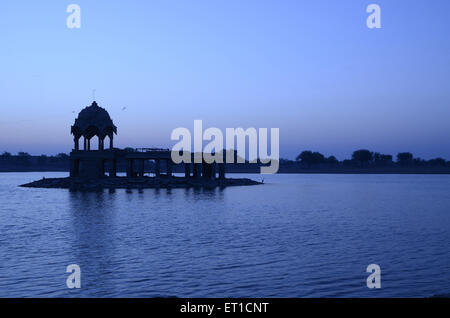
(213, 170)
(206, 170)
(77, 167)
(85, 143)
(77, 144)
(187, 170)
(141, 167)
(72, 168)
(100, 143)
(102, 169)
(89, 144)
(157, 168)
(197, 170)
(221, 170)
(130, 168)
(169, 167)
(113, 168)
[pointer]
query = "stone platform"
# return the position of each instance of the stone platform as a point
(83, 184)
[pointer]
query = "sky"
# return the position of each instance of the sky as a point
(311, 68)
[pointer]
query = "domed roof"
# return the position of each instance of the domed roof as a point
(93, 120)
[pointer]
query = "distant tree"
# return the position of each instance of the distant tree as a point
(362, 156)
(376, 157)
(310, 158)
(6, 154)
(404, 158)
(438, 162)
(318, 157)
(42, 159)
(332, 160)
(23, 158)
(62, 155)
(386, 158)
(348, 163)
(304, 156)
(382, 160)
(419, 162)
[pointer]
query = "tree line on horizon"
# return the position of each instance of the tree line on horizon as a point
(367, 158)
(22, 154)
(361, 158)
(25, 159)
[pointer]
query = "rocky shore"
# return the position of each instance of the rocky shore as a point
(82, 184)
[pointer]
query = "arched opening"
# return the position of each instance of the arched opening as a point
(107, 142)
(90, 132)
(101, 142)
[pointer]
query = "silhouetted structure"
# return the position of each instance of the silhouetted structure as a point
(94, 121)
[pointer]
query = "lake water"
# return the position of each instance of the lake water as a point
(294, 236)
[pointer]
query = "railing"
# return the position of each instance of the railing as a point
(151, 150)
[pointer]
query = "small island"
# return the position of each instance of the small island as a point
(80, 184)
(93, 170)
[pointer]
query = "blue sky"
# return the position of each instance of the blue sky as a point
(311, 68)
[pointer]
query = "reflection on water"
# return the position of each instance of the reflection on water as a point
(295, 236)
(92, 246)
